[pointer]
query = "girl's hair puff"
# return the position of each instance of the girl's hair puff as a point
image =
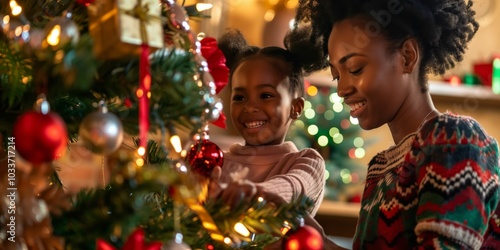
(298, 55)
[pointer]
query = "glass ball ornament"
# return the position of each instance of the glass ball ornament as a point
(177, 18)
(174, 245)
(305, 237)
(204, 156)
(40, 137)
(101, 131)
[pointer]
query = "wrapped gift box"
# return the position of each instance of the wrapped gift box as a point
(117, 32)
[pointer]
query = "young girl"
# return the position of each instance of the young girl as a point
(266, 97)
(438, 186)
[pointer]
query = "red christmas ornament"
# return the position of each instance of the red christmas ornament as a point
(85, 2)
(40, 137)
(204, 156)
(134, 242)
(304, 238)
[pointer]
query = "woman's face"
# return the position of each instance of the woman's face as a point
(370, 79)
(261, 103)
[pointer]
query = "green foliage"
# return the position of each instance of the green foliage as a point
(15, 75)
(74, 81)
(143, 200)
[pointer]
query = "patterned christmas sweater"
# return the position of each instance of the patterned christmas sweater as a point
(437, 189)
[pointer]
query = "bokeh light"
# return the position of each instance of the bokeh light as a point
(312, 91)
(359, 153)
(345, 124)
(338, 107)
(354, 120)
(312, 129)
(323, 141)
(358, 142)
(309, 113)
(329, 115)
(334, 98)
(333, 131)
(338, 138)
(320, 108)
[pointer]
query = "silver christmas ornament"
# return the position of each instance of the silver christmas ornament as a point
(172, 245)
(176, 244)
(101, 132)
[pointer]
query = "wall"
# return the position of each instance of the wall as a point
(487, 115)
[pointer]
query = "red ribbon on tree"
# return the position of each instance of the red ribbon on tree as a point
(217, 67)
(144, 94)
(134, 242)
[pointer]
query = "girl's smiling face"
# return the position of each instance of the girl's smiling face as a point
(261, 103)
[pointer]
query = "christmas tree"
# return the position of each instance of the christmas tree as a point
(328, 127)
(93, 71)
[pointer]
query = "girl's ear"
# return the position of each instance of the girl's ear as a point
(297, 107)
(411, 54)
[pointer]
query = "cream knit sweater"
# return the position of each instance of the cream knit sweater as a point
(281, 169)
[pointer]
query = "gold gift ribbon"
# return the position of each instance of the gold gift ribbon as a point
(139, 11)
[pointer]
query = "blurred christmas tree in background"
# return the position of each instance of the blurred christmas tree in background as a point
(327, 126)
(92, 71)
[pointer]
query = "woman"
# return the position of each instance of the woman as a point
(437, 187)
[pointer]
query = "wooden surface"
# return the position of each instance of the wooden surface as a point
(338, 218)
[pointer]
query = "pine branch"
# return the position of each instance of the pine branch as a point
(15, 75)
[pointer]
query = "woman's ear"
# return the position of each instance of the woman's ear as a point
(411, 55)
(297, 107)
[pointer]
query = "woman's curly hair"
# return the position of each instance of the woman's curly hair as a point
(299, 55)
(442, 28)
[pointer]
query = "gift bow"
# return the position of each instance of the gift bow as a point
(134, 242)
(216, 62)
(217, 68)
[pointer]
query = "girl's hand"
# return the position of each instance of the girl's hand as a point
(239, 191)
(233, 193)
(214, 187)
